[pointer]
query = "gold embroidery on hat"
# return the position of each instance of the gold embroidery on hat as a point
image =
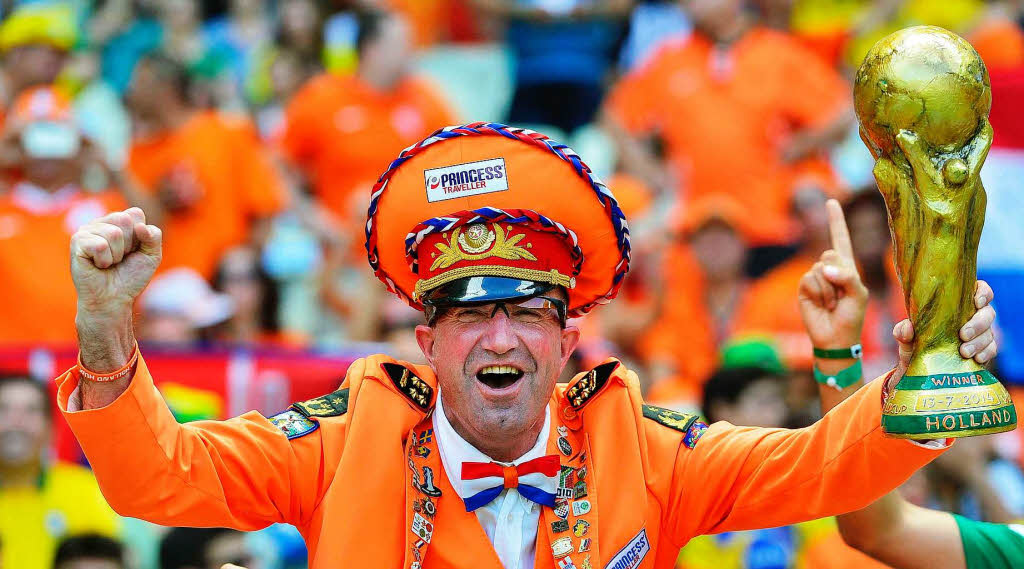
(479, 242)
(552, 276)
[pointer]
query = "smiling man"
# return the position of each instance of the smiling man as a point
(478, 459)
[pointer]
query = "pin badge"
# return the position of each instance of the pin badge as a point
(559, 526)
(580, 490)
(563, 431)
(585, 545)
(580, 528)
(564, 446)
(580, 507)
(422, 528)
(566, 564)
(562, 510)
(561, 547)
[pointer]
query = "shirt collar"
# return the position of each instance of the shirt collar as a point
(455, 450)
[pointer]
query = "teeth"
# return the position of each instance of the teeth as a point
(499, 369)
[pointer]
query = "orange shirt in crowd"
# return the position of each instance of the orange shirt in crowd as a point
(726, 115)
(35, 233)
(221, 158)
(343, 133)
(1000, 42)
(686, 334)
(772, 307)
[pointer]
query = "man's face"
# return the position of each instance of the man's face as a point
(90, 563)
(24, 424)
(719, 250)
(712, 17)
(496, 372)
(388, 55)
(144, 91)
(762, 404)
(37, 64)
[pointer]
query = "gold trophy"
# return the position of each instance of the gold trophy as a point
(923, 96)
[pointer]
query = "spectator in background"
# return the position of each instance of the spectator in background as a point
(770, 307)
(255, 299)
(179, 307)
(205, 548)
(49, 157)
(743, 111)
(90, 551)
(35, 40)
(40, 502)
(869, 231)
(342, 131)
(214, 186)
(237, 36)
(706, 280)
(563, 50)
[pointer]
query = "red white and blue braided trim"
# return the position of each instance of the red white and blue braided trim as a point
(526, 136)
(490, 215)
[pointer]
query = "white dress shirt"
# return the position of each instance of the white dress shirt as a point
(510, 520)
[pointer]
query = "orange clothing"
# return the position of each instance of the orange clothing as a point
(233, 175)
(343, 133)
(35, 232)
(772, 308)
(725, 117)
(1000, 43)
(687, 334)
(353, 486)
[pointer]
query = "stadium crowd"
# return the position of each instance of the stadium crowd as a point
(251, 132)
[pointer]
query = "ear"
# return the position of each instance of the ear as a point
(570, 339)
(425, 339)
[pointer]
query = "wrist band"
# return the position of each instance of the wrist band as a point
(112, 376)
(853, 352)
(842, 379)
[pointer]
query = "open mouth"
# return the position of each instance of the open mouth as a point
(499, 376)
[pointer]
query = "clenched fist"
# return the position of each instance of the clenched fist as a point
(112, 260)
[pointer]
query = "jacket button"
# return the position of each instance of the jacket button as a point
(568, 412)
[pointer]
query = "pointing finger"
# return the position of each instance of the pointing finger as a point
(838, 231)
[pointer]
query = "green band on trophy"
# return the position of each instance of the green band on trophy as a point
(922, 97)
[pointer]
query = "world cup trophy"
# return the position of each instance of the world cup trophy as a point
(922, 96)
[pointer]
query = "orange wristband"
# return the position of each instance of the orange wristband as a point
(112, 376)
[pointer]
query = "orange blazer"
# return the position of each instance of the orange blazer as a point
(365, 486)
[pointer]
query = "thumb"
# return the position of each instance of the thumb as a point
(904, 334)
(150, 239)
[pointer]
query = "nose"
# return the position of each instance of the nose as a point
(499, 337)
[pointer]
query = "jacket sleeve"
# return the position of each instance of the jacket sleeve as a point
(242, 473)
(738, 478)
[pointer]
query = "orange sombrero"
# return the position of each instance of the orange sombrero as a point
(495, 212)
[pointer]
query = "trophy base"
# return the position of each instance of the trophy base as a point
(949, 405)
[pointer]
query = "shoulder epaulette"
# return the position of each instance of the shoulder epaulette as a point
(408, 384)
(584, 388)
(330, 405)
(687, 423)
(298, 420)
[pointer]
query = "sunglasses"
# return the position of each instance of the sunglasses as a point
(528, 311)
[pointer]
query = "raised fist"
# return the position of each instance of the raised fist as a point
(112, 260)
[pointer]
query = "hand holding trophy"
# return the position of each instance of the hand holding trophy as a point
(923, 96)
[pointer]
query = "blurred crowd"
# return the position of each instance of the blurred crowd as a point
(251, 132)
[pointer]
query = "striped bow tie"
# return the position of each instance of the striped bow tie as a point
(536, 480)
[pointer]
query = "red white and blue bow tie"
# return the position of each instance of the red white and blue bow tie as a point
(534, 479)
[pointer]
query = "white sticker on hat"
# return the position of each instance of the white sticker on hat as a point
(464, 180)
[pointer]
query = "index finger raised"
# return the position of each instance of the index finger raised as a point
(838, 231)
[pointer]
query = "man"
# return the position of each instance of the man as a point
(741, 109)
(89, 552)
(339, 129)
(45, 205)
(40, 503)
(893, 530)
(34, 42)
(204, 548)
(214, 185)
(477, 459)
